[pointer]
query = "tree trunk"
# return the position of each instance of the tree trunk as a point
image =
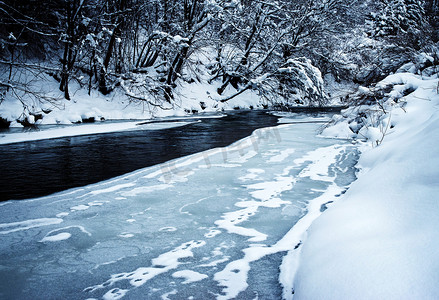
(103, 88)
(103, 72)
(244, 60)
(174, 70)
(64, 84)
(69, 56)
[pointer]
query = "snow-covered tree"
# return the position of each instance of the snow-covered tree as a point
(398, 19)
(256, 39)
(432, 14)
(147, 48)
(299, 82)
(28, 32)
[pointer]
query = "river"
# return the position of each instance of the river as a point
(38, 168)
(216, 224)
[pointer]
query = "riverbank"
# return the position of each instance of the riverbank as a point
(191, 98)
(380, 240)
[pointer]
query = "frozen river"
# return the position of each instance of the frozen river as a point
(219, 224)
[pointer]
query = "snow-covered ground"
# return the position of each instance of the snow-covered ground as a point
(216, 224)
(381, 239)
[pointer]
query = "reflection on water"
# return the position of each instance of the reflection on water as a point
(38, 168)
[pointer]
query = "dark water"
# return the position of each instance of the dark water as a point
(39, 168)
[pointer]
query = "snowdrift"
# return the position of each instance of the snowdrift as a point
(381, 240)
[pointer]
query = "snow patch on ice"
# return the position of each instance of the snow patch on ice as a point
(322, 159)
(215, 262)
(114, 294)
(176, 176)
(126, 235)
(79, 207)
(189, 275)
(50, 237)
(57, 237)
(245, 157)
(62, 214)
(169, 229)
(231, 219)
(161, 264)
(165, 296)
(252, 174)
(212, 233)
(265, 191)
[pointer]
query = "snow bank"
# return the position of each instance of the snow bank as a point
(77, 130)
(381, 239)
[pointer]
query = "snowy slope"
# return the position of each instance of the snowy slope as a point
(381, 240)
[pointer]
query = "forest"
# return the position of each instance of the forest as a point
(279, 49)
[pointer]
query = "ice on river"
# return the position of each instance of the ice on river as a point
(51, 132)
(220, 224)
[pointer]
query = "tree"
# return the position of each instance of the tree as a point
(264, 37)
(195, 17)
(400, 21)
(74, 32)
(28, 29)
(116, 11)
(147, 48)
(432, 15)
